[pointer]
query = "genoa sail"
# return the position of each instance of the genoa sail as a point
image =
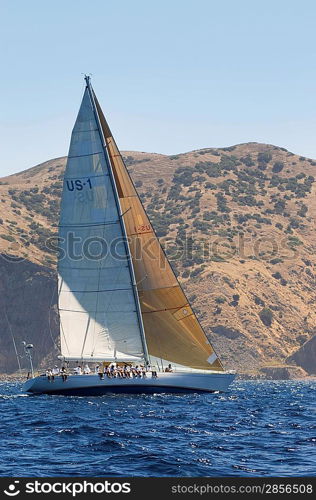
(98, 313)
(172, 330)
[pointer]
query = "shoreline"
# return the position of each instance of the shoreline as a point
(8, 377)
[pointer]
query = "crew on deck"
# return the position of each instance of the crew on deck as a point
(111, 370)
(64, 373)
(49, 375)
(55, 371)
(169, 368)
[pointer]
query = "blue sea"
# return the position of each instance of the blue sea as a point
(258, 428)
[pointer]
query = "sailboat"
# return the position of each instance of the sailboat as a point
(119, 301)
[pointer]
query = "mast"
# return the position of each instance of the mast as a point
(122, 224)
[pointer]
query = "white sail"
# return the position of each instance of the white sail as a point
(98, 313)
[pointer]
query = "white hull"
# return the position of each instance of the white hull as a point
(89, 385)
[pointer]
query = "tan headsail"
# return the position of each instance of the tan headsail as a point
(172, 330)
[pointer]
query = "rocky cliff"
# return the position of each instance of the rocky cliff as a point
(28, 312)
(305, 356)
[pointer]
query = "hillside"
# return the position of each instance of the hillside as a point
(238, 224)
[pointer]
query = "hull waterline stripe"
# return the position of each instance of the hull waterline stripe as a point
(123, 388)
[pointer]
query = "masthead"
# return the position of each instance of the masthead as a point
(87, 79)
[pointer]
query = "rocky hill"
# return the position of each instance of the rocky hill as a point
(238, 224)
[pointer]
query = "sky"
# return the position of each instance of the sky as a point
(171, 75)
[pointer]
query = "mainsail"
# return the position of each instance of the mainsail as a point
(172, 331)
(97, 302)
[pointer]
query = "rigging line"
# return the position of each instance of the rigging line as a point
(85, 337)
(64, 336)
(49, 315)
(13, 340)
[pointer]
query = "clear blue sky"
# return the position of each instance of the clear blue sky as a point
(171, 75)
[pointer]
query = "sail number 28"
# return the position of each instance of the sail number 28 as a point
(78, 184)
(144, 228)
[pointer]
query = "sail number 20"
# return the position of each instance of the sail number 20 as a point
(78, 184)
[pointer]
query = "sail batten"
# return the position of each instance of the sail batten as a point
(82, 156)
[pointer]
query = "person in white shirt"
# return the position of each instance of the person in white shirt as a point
(86, 370)
(55, 370)
(100, 372)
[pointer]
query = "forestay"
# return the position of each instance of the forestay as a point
(98, 315)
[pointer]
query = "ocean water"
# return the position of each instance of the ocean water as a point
(258, 428)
